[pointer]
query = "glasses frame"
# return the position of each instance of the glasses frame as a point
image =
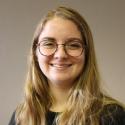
(57, 45)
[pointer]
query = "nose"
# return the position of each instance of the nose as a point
(60, 52)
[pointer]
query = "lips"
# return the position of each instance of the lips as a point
(61, 66)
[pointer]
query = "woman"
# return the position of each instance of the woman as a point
(63, 82)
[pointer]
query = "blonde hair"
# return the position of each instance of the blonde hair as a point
(85, 99)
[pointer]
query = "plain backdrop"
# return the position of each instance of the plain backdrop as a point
(18, 19)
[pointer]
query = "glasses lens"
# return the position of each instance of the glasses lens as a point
(47, 47)
(74, 48)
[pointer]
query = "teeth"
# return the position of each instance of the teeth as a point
(60, 66)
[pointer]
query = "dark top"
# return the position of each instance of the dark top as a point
(112, 114)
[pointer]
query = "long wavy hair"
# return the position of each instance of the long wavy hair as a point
(85, 99)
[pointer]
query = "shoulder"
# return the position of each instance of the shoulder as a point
(12, 120)
(112, 114)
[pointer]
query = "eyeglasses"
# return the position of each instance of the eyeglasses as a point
(73, 47)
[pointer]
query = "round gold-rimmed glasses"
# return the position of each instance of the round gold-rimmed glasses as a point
(48, 47)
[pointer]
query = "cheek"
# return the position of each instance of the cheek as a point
(42, 61)
(81, 62)
(43, 65)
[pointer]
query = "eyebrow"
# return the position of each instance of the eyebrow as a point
(48, 38)
(67, 40)
(73, 38)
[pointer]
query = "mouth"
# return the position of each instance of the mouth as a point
(61, 66)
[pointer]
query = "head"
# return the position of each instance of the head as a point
(85, 34)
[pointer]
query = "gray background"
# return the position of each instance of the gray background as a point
(18, 19)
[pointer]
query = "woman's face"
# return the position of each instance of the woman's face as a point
(60, 68)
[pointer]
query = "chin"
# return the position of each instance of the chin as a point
(62, 81)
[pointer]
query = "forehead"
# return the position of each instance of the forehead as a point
(60, 28)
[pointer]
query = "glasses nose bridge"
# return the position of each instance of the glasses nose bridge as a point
(62, 46)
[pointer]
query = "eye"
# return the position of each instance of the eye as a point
(48, 44)
(74, 45)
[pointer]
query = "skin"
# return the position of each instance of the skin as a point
(60, 68)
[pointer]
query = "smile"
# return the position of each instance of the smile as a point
(61, 66)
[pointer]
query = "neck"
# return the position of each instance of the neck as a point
(60, 95)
